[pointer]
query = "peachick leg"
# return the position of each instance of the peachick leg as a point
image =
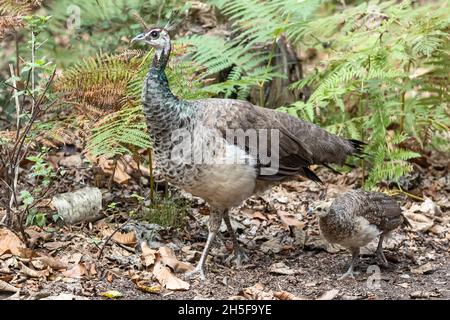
(380, 253)
(349, 273)
(215, 219)
(241, 257)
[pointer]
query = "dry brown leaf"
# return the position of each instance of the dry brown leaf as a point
(55, 245)
(281, 268)
(284, 295)
(77, 271)
(167, 279)
(33, 273)
(423, 269)
(329, 295)
(120, 174)
(128, 239)
(6, 287)
(52, 262)
(38, 265)
(9, 242)
(167, 256)
(427, 207)
(256, 292)
(254, 214)
(71, 161)
(148, 254)
(35, 234)
(418, 221)
(273, 245)
(149, 289)
(290, 220)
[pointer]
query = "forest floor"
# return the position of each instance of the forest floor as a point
(288, 258)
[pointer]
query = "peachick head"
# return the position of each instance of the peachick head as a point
(320, 208)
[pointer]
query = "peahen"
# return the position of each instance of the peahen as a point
(357, 217)
(194, 151)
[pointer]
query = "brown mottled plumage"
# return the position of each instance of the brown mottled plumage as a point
(356, 218)
(233, 171)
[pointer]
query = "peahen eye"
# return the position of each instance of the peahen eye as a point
(154, 34)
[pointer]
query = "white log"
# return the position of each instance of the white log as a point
(83, 205)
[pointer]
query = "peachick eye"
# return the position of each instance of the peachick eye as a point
(154, 34)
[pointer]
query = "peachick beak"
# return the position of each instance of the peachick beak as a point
(310, 211)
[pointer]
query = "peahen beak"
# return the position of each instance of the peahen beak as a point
(310, 211)
(139, 37)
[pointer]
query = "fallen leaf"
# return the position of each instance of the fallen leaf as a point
(256, 292)
(112, 294)
(272, 245)
(128, 239)
(424, 295)
(148, 254)
(427, 207)
(76, 271)
(52, 262)
(438, 229)
(36, 234)
(71, 161)
(6, 287)
(290, 220)
(33, 273)
(329, 295)
(237, 298)
(423, 269)
(149, 289)
(167, 256)
(281, 268)
(418, 221)
(9, 242)
(120, 174)
(55, 245)
(284, 295)
(37, 264)
(254, 214)
(167, 279)
(65, 296)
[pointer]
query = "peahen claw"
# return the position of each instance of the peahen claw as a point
(198, 271)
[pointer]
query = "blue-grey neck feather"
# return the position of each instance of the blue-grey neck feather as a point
(162, 109)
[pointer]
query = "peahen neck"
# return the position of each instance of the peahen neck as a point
(162, 109)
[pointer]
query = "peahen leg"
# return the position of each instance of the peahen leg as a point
(241, 257)
(215, 220)
(380, 253)
(349, 273)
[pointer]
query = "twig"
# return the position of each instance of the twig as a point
(401, 191)
(16, 166)
(110, 237)
(33, 54)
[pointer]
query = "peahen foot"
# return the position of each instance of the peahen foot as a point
(198, 271)
(380, 253)
(382, 258)
(349, 273)
(239, 256)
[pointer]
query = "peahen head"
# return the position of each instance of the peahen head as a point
(157, 38)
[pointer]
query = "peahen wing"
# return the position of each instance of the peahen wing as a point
(301, 144)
